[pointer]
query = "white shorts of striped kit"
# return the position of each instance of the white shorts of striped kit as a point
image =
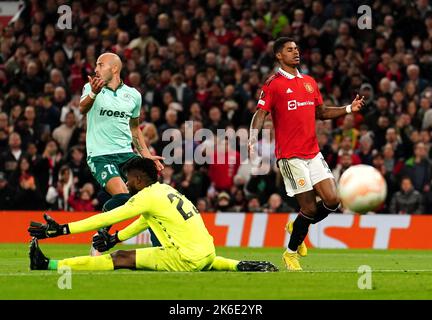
(300, 175)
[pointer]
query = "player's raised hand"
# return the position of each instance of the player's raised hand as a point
(96, 84)
(357, 103)
(49, 230)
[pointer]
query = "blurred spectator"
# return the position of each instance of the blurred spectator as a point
(262, 185)
(418, 168)
(382, 109)
(143, 39)
(83, 200)
(254, 205)
(162, 30)
(152, 138)
(238, 201)
(202, 205)
(391, 163)
(63, 133)
(346, 146)
(58, 196)
(393, 139)
(171, 122)
(223, 202)
(31, 83)
(275, 204)
(276, 21)
(79, 167)
(215, 120)
(6, 194)
(407, 200)
(182, 92)
(390, 179)
(49, 165)
(365, 150)
(224, 164)
(78, 137)
(190, 182)
(49, 115)
(31, 130)
(413, 76)
(167, 176)
(9, 158)
(347, 130)
(27, 195)
(4, 131)
(342, 166)
(73, 106)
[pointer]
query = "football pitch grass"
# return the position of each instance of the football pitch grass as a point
(328, 274)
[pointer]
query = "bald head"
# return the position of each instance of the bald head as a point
(108, 66)
(112, 59)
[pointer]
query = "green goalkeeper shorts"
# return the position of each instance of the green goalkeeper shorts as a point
(105, 167)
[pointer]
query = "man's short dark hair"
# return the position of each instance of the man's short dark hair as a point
(144, 165)
(279, 44)
(405, 177)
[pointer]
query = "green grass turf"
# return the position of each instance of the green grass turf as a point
(328, 274)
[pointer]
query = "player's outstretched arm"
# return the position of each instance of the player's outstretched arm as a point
(323, 113)
(255, 127)
(53, 229)
(140, 145)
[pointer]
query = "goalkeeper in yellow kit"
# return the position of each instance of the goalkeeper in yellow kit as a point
(186, 243)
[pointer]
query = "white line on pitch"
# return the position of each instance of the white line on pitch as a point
(77, 273)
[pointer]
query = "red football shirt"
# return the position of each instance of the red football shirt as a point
(292, 101)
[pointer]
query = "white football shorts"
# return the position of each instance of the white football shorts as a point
(300, 175)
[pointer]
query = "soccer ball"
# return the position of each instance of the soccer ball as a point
(362, 188)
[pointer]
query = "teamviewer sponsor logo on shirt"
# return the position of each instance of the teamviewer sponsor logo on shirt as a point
(293, 104)
(305, 103)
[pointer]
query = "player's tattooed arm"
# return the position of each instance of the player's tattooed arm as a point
(256, 126)
(138, 139)
(139, 143)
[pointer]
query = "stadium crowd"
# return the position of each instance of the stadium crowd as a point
(206, 61)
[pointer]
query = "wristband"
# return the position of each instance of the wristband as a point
(348, 108)
(64, 229)
(92, 95)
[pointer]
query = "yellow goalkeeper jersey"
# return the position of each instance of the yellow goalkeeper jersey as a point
(172, 217)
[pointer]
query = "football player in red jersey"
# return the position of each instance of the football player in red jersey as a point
(294, 101)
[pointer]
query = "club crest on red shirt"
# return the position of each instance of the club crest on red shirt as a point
(309, 87)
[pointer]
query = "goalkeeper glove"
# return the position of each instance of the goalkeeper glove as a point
(49, 230)
(103, 241)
